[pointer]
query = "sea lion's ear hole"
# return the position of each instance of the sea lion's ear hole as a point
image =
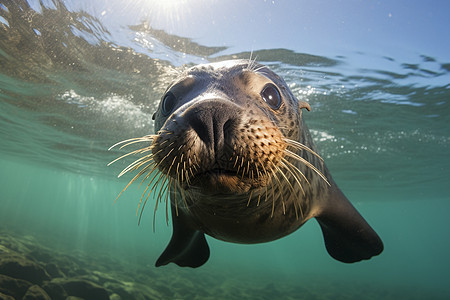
(154, 116)
(271, 96)
(302, 104)
(168, 103)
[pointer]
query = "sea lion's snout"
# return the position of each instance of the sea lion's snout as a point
(214, 122)
(202, 134)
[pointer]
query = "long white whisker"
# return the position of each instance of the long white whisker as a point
(307, 163)
(299, 145)
(133, 140)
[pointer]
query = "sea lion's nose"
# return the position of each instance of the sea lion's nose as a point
(213, 120)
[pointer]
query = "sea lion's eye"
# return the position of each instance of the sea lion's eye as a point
(168, 103)
(271, 96)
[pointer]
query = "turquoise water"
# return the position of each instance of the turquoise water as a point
(72, 83)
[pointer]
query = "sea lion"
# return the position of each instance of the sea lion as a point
(239, 164)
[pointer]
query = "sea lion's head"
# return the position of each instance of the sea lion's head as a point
(227, 131)
(223, 128)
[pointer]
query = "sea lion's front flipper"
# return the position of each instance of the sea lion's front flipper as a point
(187, 247)
(348, 237)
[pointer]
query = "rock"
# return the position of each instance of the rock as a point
(68, 266)
(41, 255)
(4, 250)
(132, 290)
(115, 297)
(102, 277)
(89, 277)
(55, 290)
(53, 270)
(6, 297)
(35, 292)
(163, 289)
(80, 272)
(14, 244)
(82, 288)
(124, 291)
(22, 268)
(13, 287)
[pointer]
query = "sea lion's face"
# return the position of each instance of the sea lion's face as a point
(222, 128)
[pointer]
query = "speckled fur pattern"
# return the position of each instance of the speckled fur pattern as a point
(264, 200)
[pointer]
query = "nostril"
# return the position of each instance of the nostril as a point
(203, 127)
(227, 126)
(213, 121)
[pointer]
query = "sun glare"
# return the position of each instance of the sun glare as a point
(172, 14)
(170, 3)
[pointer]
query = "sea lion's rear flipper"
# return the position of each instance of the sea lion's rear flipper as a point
(348, 237)
(187, 247)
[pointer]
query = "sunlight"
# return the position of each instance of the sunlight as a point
(174, 15)
(169, 4)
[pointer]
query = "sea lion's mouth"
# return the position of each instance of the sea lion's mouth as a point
(221, 172)
(211, 175)
(215, 181)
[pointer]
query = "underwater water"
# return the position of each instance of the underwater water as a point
(75, 79)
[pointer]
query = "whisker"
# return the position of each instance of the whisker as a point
(162, 187)
(237, 158)
(267, 176)
(125, 155)
(165, 195)
(297, 170)
(289, 166)
(259, 196)
(136, 164)
(183, 196)
(250, 198)
(265, 200)
(307, 163)
(124, 189)
(292, 169)
(252, 62)
(161, 175)
(273, 199)
(139, 163)
(129, 183)
(144, 170)
(158, 198)
(175, 191)
(152, 165)
(139, 139)
(160, 182)
(280, 190)
(285, 177)
(300, 146)
(145, 191)
(259, 69)
(167, 200)
(166, 189)
(291, 187)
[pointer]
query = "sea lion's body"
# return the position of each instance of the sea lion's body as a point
(242, 166)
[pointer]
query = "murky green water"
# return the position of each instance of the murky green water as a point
(70, 88)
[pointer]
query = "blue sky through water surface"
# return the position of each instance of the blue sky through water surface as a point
(393, 28)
